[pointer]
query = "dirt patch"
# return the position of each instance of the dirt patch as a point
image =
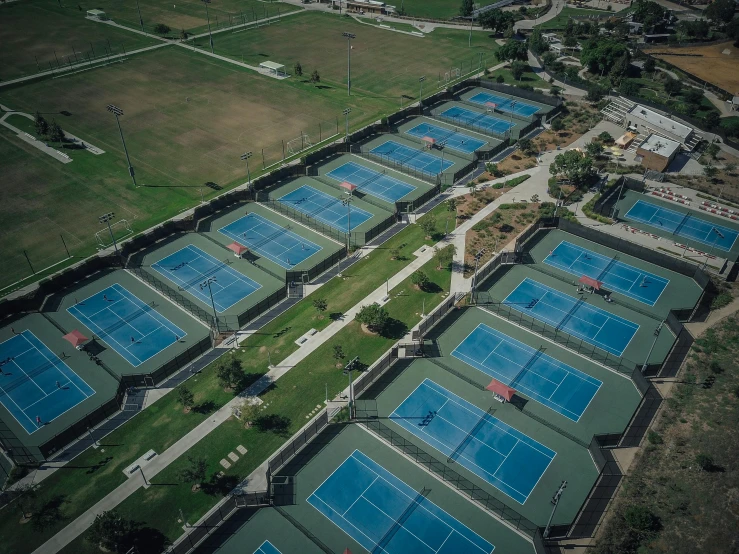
(725, 183)
(548, 140)
(709, 63)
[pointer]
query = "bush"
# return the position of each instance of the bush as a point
(516, 206)
(654, 437)
(161, 29)
(722, 300)
(374, 316)
(704, 461)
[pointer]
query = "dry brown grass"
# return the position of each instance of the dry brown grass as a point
(706, 62)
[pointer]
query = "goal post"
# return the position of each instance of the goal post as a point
(297, 145)
(120, 229)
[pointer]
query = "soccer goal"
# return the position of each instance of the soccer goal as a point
(297, 145)
(120, 229)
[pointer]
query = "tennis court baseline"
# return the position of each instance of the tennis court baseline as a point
(481, 120)
(128, 325)
(598, 327)
(384, 514)
(620, 277)
(550, 382)
(503, 104)
(453, 140)
(189, 267)
(267, 548)
(36, 383)
(371, 182)
(325, 208)
(415, 158)
(269, 240)
(682, 224)
(504, 457)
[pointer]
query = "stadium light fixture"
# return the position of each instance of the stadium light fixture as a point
(107, 218)
(346, 113)
(349, 37)
(555, 502)
(421, 79)
(141, 20)
(716, 235)
(117, 112)
(245, 156)
(206, 284)
(207, 16)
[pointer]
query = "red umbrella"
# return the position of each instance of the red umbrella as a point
(501, 390)
(589, 281)
(237, 248)
(75, 338)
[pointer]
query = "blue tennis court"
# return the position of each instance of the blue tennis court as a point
(507, 459)
(682, 224)
(325, 208)
(480, 120)
(503, 104)
(415, 158)
(269, 240)
(384, 514)
(617, 276)
(36, 386)
(129, 326)
(572, 315)
(550, 382)
(369, 181)
(189, 267)
(451, 139)
(267, 548)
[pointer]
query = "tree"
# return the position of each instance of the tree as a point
(315, 77)
(594, 149)
(570, 42)
(195, 472)
(395, 253)
(55, 132)
(537, 44)
(465, 10)
(595, 93)
(730, 168)
(704, 461)
(673, 86)
(557, 124)
(451, 204)
(600, 54)
(649, 65)
(161, 29)
(428, 225)
(713, 150)
(629, 87)
(606, 137)
(110, 530)
(693, 96)
(444, 256)
(338, 354)
(320, 305)
(720, 11)
(526, 146)
(500, 79)
(647, 12)
(374, 316)
(184, 35)
(518, 69)
(496, 20)
(512, 50)
(185, 397)
(41, 125)
(712, 119)
(640, 519)
(710, 171)
(248, 411)
(619, 69)
(230, 373)
(573, 166)
(508, 33)
(298, 69)
(420, 279)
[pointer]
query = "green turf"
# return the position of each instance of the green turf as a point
(45, 32)
(528, 77)
(385, 65)
(637, 350)
(630, 197)
(572, 462)
(560, 22)
(188, 14)
(681, 292)
(434, 9)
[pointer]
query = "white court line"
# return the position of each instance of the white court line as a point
(51, 362)
(361, 495)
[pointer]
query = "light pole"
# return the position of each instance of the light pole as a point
(349, 37)
(116, 111)
(106, 218)
(654, 342)
(245, 156)
(207, 15)
(555, 501)
(346, 113)
(203, 286)
(347, 202)
(474, 278)
(713, 245)
(141, 20)
(420, 94)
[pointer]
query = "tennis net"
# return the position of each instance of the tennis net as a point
(569, 314)
(395, 527)
(471, 435)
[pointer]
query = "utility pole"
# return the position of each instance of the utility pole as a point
(116, 111)
(346, 113)
(474, 278)
(245, 156)
(210, 35)
(141, 20)
(654, 342)
(555, 501)
(349, 37)
(420, 94)
(106, 218)
(206, 284)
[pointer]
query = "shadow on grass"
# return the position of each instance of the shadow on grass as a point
(273, 423)
(145, 540)
(49, 514)
(394, 329)
(206, 407)
(220, 485)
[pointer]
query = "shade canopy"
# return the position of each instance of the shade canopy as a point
(348, 186)
(503, 390)
(589, 281)
(239, 249)
(429, 140)
(75, 338)
(491, 105)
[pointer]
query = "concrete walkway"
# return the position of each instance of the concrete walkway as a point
(541, 72)
(529, 24)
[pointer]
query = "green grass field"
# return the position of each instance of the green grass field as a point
(385, 64)
(560, 22)
(43, 32)
(188, 14)
(434, 9)
(528, 78)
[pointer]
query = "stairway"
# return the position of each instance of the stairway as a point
(617, 109)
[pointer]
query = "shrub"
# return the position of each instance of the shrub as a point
(721, 300)
(654, 438)
(704, 461)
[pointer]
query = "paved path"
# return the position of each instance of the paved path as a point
(541, 72)
(529, 24)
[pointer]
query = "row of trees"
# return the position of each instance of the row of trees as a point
(315, 77)
(50, 131)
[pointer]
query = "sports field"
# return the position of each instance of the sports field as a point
(716, 63)
(472, 118)
(315, 40)
(630, 280)
(680, 224)
(504, 105)
(43, 31)
(410, 156)
(454, 140)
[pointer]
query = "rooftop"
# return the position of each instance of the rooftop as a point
(661, 122)
(660, 145)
